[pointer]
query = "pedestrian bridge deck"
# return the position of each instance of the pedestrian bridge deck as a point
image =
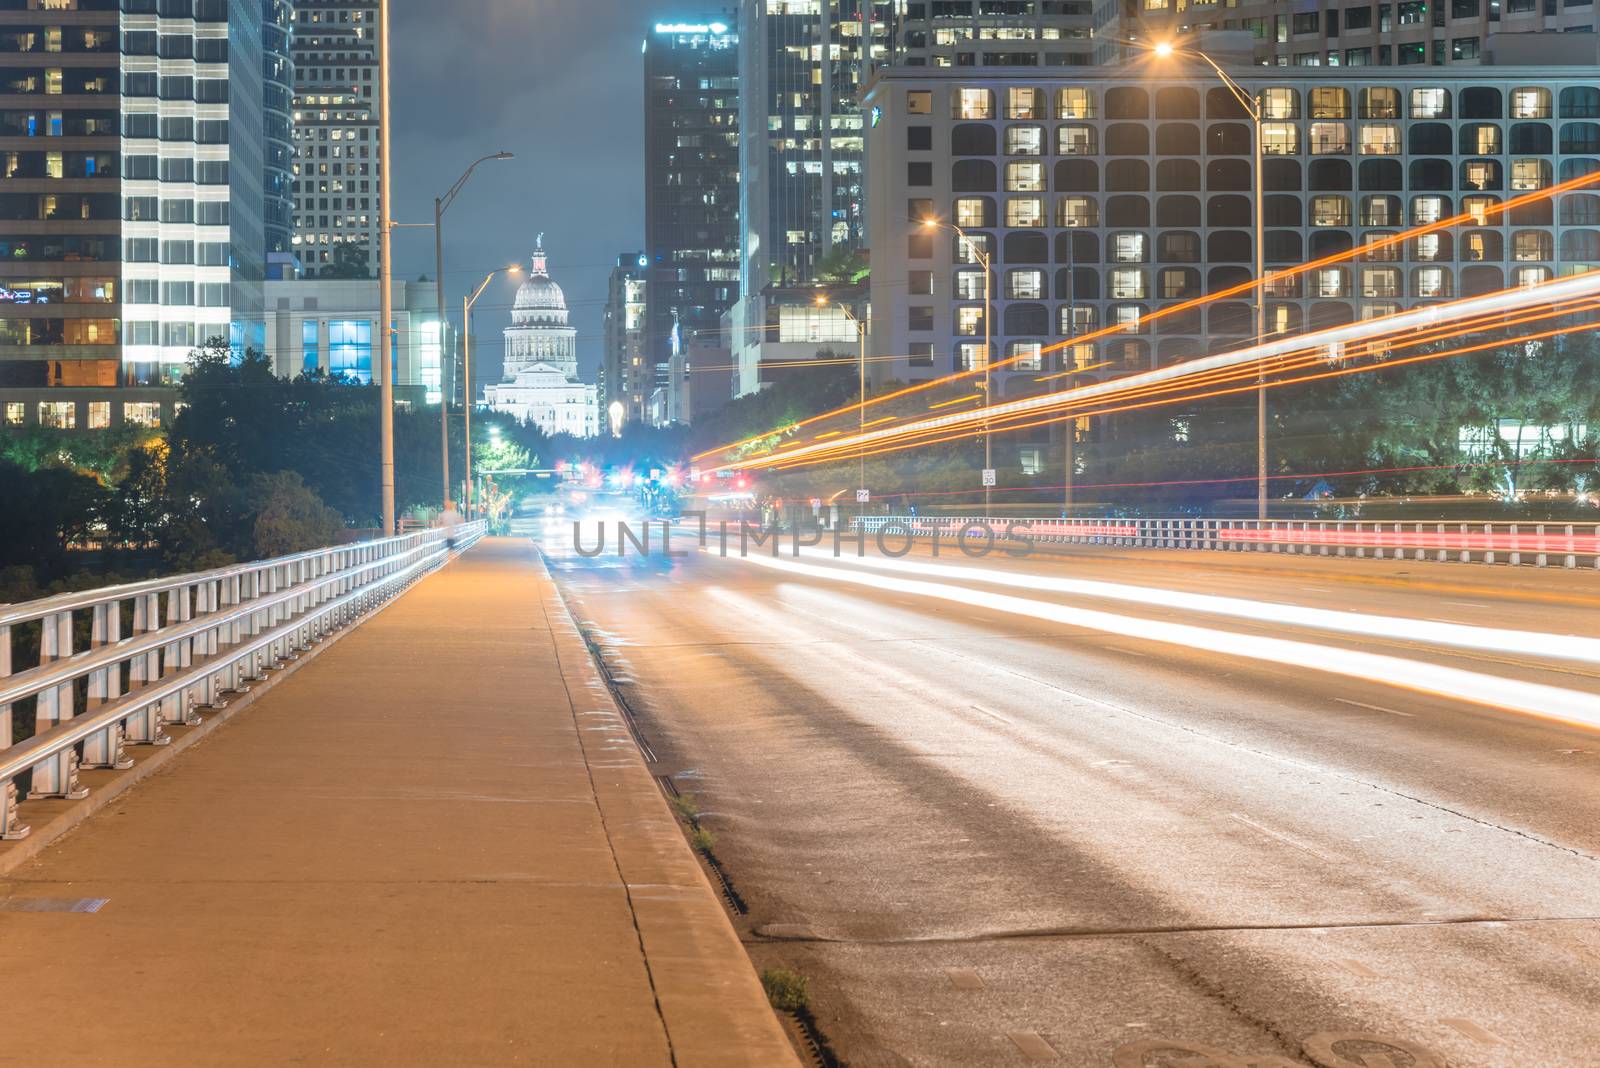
(434, 842)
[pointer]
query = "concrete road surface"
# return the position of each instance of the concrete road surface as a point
(996, 818)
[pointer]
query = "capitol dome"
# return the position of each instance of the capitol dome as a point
(539, 298)
(540, 335)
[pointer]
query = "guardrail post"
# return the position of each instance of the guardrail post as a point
(144, 726)
(11, 827)
(103, 749)
(177, 656)
(1488, 543)
(1572, 556)
(1542, 558)
(1516, 554)
(58, 775)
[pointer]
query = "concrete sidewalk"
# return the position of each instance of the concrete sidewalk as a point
(436, 843)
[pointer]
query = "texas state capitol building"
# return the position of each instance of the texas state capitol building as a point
(540, 377)
(1106, 193)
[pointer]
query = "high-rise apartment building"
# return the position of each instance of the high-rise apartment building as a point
(691, 92)
(803, 65)
(1339, 33)
(277, 33)
(627, 372)
(1109, 194)
(335, 123)
(131, 218)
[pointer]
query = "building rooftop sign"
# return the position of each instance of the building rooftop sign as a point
(691, 27)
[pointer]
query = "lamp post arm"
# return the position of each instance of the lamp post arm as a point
(1249, 103)
(455, 190)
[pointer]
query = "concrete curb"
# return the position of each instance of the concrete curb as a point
(710, 1000)
(52, 818)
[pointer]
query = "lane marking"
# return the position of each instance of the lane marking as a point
(992, 715)
(1284, 838)
(1446, 632)
(1357, 969)
(1465, 604)
(964, 978)
(1032, 1046)
(1474, 1031)
(1375, 708)
(1534, 699)
(53, 904)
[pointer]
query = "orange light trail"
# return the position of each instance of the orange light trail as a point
(1287, 361)
(1254, 283)
(1250, 388)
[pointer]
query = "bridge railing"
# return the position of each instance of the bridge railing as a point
(116, 666)
(1571, 545)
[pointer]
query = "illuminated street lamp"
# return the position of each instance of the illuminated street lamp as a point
(984, 259)
(1252, 107)
(615, 411)
(861, 409)
(440, 206)
(466, 363)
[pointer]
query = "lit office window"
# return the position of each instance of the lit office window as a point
(1077, 211)
(1025, 211)
(1280, 138)
(142, 413)
(974, 104)
(63, 415)
(1530, 103)
(350, 349)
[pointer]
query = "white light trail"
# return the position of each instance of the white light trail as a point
(1534, 699)
(1366, 625)
(1503, 302)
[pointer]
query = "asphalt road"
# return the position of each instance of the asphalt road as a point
(991, 832)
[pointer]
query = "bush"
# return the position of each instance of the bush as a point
(786, 989)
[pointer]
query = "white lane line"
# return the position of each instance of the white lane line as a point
(1315, 589)
(1357, 969)
(1536, 699)
(1376, 708)
(964, 978)
(1466, 604)
(1432, 631)
(1474, 1031)
(1284, 838)
(1032, 1046)
(992, 714)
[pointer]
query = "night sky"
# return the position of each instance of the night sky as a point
(559, 83)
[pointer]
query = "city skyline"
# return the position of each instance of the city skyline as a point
(592, 53)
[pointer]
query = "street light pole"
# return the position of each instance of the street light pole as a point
(988, 357)
(985, 260)
(861, 365)
(466, 365)
(385, 279)
(1252, 107)
(440, 206)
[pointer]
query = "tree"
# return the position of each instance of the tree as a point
(45, 512)
(350, 260)
(289, 518)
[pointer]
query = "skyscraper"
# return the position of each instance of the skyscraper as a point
(277, 32)
(336, 137)
(131, 228)
(691, 92)
(627, 374)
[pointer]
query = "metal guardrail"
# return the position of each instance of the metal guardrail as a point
(193, 639)
(1569, 545)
